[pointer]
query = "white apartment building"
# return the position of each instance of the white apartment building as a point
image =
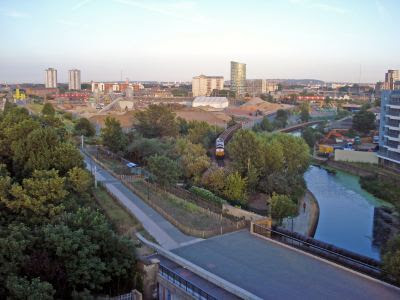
(50, 75)
(257, 87)
(74, 79)
(204, 85)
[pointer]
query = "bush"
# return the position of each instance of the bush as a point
(206, 194)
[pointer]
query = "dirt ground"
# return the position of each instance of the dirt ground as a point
(211, 117)
(126, 119)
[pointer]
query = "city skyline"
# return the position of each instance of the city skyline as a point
(176, 40)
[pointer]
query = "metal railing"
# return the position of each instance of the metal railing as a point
(184, 284)
(369, 268)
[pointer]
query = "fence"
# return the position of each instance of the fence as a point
(133, 295)
(234, 223)
(365, 265)
(233, 226)
(189, 287)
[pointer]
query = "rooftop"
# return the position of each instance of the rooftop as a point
(272, 271)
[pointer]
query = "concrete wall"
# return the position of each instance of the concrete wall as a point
(240, 213)
(356, 156)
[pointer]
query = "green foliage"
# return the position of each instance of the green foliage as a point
(282, 207)
(48, 110)
(165, 170)
(265, 125)
(214, 179)
(391, 258)
(38, 198)
(112, 135)
(235, 188)
(382, 189)
(84, 127)
(270, 162)
(202, 133)
(341, 113)
(244, 148)
(310, 135)
(49, 247)
(22, 288)
(140, 149)
(364, 121)
(206, 194)
(156, 121)
(281, 118)
(193, 159)
(305, 112)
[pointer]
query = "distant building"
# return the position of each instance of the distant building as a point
(389, 130)
(256, 87)
(74, 82)
(311, 98)
(204, 85)
(238, 78)
(215, 102)
(390, 79)
(116, 87)
(41, 92)
(50, 78)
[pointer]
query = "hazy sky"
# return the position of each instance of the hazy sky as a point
(176, 40)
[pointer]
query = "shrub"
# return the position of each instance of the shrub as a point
(206, 194)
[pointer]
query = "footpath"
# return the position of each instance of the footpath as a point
(167, 235)
(307, 220)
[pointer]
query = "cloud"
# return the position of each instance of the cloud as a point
(183, 10)
(81, 4)
(68, 23)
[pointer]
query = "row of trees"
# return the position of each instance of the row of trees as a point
(53, 241)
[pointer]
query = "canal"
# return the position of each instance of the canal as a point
(346, 211)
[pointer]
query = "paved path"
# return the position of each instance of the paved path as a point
(165, 233)
(273, 271)
(303, 223)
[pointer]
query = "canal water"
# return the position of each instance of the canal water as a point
(346, 211)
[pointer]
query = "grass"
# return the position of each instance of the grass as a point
(185, 212)
(35, 107)
(122, 220)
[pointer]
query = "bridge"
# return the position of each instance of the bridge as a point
(298, 126)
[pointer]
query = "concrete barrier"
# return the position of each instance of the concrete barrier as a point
(240, 213)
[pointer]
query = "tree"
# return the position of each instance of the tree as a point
(38, 198)
(327, 101)
(215, 180)
(310, 136)
(140, 149)
(281, 118)
(156, 121)
(282, 207)
(244, 149)
(364, 121)
(193, 159)
(22, 288)
(112, 135)
(202, 133)
(235, 188)
(48, 110)
(84, 127)
(391, 258)
(165, 170)
(305, 112)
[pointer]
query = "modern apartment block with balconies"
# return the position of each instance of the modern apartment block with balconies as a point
(389, 130)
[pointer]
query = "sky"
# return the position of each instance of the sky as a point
(162, 40)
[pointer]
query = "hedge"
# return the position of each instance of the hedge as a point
(206, 194)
